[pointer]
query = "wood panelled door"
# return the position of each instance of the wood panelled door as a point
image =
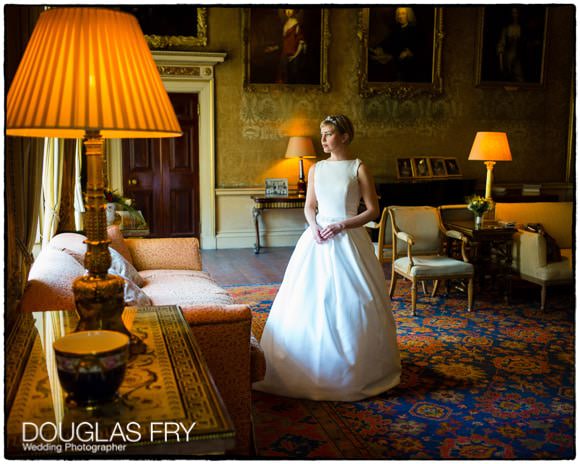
(162, 174)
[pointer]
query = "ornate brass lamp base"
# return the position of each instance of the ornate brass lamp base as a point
(99, 302)
(99, 296)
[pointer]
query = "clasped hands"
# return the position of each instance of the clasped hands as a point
(325, 233)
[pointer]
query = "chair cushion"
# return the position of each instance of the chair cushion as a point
(422, 223)
(433, 266)
(561, 270)
(118, 242)
(183, 288)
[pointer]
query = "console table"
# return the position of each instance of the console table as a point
(167, 404)
(490, 250)
(262, 203)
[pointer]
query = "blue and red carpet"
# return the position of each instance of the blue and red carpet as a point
(497, 383)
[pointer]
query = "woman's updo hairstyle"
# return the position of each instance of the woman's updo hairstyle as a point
(342, 124)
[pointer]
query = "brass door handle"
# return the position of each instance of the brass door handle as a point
(133, 182)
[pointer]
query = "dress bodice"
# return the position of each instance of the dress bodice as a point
(337, 188)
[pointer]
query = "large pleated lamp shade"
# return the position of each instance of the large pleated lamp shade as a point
(88, 69)
(88, 73)
(490, 147)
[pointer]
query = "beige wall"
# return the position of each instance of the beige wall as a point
(251, 141)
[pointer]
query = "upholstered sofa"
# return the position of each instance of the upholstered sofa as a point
(530, 249)
(165, 271)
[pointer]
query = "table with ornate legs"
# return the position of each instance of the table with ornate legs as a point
(262, 203)
(490, 251)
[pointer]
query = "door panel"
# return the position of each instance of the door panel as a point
(162, 175)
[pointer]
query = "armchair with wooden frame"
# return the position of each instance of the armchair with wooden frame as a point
(418, 251)
(383, 246)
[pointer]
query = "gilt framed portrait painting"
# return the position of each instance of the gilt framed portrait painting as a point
(400, 50)
(285, 47)
(511, 45)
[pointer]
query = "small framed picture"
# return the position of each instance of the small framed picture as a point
(404, 168)
(452, 167)
(276, 187)
(421, 168)
(437, 167)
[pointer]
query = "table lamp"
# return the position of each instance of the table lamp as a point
(300, 147)
(490, 147)
(88, 73)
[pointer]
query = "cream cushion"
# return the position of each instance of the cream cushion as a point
(422, 222)
(183, 287)
(436, 266)
(118, 242)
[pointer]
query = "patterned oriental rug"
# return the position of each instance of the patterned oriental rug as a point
(497, 383)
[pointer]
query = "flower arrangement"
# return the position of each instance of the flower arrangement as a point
(112, 196)
(123, 203)
(478, 205)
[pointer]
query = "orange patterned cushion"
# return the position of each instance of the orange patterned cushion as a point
(118, 242)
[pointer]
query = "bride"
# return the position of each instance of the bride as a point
(330, 334)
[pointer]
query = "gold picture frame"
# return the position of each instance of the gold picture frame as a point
(188, 22)
(502, 61)
(452, 167)
(404, 168)
(387, 65)
(421, 168)
(265, 69)
(437, 166)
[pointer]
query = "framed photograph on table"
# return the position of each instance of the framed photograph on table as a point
(401, 50)
(437, 166)
(404, 168)
(421, 168)
(285, 47)
(511, 45)
(452, 167)
(276, 187)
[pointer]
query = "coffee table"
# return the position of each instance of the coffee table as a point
(167, 405)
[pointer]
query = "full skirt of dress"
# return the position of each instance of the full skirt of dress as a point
(330, 334)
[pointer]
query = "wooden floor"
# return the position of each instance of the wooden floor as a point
(243, 267)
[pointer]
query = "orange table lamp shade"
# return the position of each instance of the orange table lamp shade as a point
(87, 70)
(490, 146)
(300, 147)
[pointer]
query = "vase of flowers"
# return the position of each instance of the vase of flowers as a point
(117, 202)
(110, 213)
(479, 206)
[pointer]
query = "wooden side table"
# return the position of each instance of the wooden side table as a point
(167, 404)
(262, 203)
(490, 250)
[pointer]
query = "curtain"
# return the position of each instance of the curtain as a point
(66, 214)
(52, 171)
(79, 204)
(23, 179)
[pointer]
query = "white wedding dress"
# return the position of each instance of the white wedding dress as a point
(330, 334)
